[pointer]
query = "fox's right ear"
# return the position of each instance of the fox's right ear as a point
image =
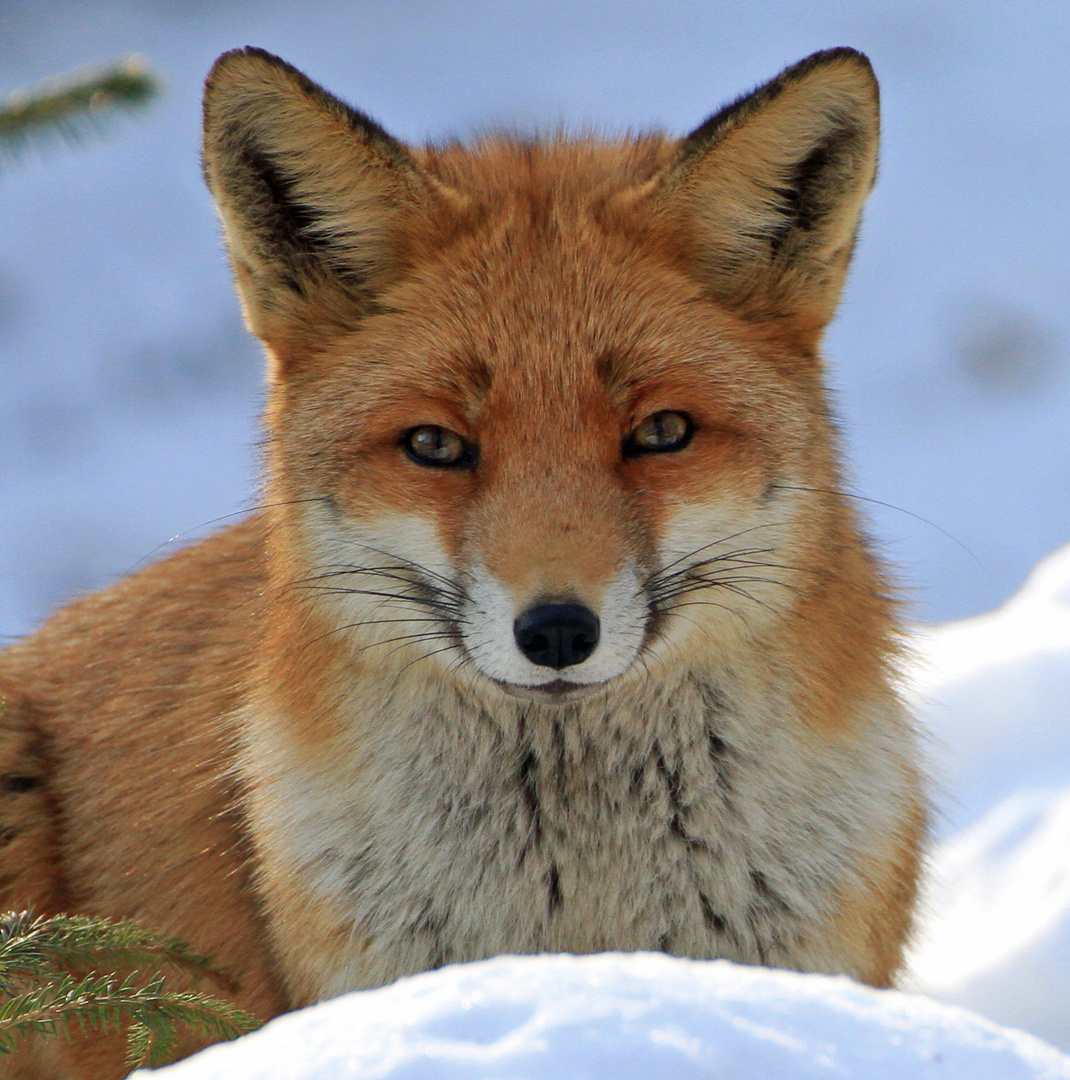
(310, 193)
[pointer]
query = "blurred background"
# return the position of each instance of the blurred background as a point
(129, 390)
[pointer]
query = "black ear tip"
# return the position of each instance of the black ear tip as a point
(245, 58)
(839, 52)
(862, 85)
(841, 55)
(249, 52)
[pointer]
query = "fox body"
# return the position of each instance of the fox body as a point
(554, 631)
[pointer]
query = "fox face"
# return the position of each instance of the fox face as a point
(542, 495)
(545, 413)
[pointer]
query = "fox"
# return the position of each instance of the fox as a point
(555, 630)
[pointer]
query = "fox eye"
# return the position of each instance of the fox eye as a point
(430, 444)
(660, 432)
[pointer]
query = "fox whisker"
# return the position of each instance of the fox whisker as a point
(703, 582)
(419, 601)
(428, 655)
(887, 506)
(728, 560)
(727, 571)
(721, 540)
(408, 638)
(390, 574)
(447, 584)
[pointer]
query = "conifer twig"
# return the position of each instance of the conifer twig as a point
(49, 980)
(31, 945)
(74, 104)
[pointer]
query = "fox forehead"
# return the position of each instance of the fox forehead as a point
(548, 294)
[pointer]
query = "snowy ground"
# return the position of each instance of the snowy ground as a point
(995, 693)
(616, 1017)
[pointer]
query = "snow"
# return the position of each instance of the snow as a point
(636, 1017)
(995, 693)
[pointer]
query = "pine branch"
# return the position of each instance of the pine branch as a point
(42, 965)
(75, 104)
(102, 1003)
(32, 946)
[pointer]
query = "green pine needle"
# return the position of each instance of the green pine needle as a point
(74, 104)
(44, 988)
(30, 946)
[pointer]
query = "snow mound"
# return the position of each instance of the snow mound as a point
(614, 1016)
(995, 693)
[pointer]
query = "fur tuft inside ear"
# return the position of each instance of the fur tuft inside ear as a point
(310, 193)
(770, 188)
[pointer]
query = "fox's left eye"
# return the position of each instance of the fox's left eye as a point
(430, 444)
(660, 432)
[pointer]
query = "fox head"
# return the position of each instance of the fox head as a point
(549, 413)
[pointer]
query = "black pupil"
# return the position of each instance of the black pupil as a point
(434, 443)
(665, 429)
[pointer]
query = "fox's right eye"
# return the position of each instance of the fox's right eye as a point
(437, 446)
(659, 433)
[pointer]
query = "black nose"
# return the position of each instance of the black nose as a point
(557, 635)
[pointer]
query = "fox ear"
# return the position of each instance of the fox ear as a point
(310, 193)
(771, 189)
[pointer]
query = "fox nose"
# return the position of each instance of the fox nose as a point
(556, 635)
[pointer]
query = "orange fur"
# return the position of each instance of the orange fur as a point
(250, 745)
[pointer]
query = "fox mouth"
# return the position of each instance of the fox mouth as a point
(556, 692)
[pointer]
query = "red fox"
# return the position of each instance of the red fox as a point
(555, 631)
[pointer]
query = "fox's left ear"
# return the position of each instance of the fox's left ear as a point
(771, 188)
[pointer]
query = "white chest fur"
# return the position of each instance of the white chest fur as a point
(687, 819)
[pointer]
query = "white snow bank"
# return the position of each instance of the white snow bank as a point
(995, 692)
(643, 1016)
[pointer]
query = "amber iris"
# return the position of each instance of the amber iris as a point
(434, 445)
(659, 432)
